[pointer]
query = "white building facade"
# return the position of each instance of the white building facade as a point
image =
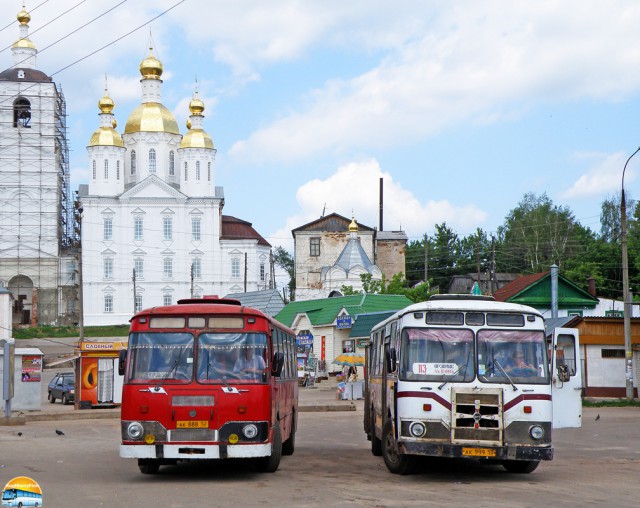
(152, 225)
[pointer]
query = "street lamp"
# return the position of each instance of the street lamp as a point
(625, 289)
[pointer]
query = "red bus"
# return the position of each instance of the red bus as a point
(208, 379)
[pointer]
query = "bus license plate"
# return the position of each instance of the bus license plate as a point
(193, 424)
(478, 452)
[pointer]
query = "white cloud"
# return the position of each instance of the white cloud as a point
(354, 188)
(465, 66)
(605, 176)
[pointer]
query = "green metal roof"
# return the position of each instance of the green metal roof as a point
(365, 322)
(324, 311)
(538, 295)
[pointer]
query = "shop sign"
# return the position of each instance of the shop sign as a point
(304, 339)
(343, 322)
(362, 342)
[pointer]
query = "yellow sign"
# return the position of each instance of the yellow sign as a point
(479, 452)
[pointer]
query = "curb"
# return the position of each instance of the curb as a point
(97, 414)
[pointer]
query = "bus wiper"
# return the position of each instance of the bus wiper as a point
(451, 376)
(170, 371)
(167, 374)
(515, 388)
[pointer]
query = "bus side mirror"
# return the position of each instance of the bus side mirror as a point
(278, 364)
(122, 360)
(390, 358)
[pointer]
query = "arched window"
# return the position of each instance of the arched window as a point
(186, 171)
(133, 162)
(152, 161)
(21, 112)
(93, 164)
(106, 169)
(209, 172)
(198, 171)
(117, 170)
(172, 163)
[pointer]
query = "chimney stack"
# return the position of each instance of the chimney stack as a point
(592, 286)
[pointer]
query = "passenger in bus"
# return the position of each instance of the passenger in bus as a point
(250, 365)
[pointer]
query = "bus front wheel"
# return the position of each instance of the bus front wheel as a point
(270, 464)
(148, 466)
(520, 466)
(394, 460)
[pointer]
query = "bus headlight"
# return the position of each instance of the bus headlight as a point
(134, 430)
(250, 431)
(536, 432)
(417, 429)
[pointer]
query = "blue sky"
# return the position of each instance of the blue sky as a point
(461, 106)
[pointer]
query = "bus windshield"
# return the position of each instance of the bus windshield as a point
(161, 356)
(431, 354)
(516, 355)
(232, 357)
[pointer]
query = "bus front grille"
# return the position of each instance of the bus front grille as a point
(477, 417)
(187, 435)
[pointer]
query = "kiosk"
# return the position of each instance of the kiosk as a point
(98, 383)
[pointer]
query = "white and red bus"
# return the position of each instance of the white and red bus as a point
(464, 376)
(208, 379)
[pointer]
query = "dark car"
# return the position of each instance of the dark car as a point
(62, 387)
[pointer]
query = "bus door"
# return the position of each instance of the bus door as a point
(566, 379)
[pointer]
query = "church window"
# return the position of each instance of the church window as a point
(108, 303)
(138, 303)
(262, 271)
(172, 163)
(168, 268)
(209, 172)
(93, 166)
(133, 162)
(137, 228)
(196, 268)
(195, 229)
(108, 228)
(186, 171)
(106, 169)
(235, 268)
(22, 113)
(152, 161)
(117, 170)
(139, 268)
(167, 228)
(108, 268)
(166, 299)
(314, 246)
(198, 170)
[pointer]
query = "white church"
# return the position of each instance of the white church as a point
(152, 226)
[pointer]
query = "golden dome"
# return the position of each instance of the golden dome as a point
(23, 17)
(196, 138)
(151, 67)
(106, 104)
(196, 106)
(151, 117)
(23, 43)
(353, 227)
(106, 136)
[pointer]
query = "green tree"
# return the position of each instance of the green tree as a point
(284, 260)
(537, 234)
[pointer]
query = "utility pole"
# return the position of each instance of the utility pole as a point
(492, 271)
(625, 289)
(134, 292)
(192, 279)
(272, 270)
(245, 272)
(426, 258)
